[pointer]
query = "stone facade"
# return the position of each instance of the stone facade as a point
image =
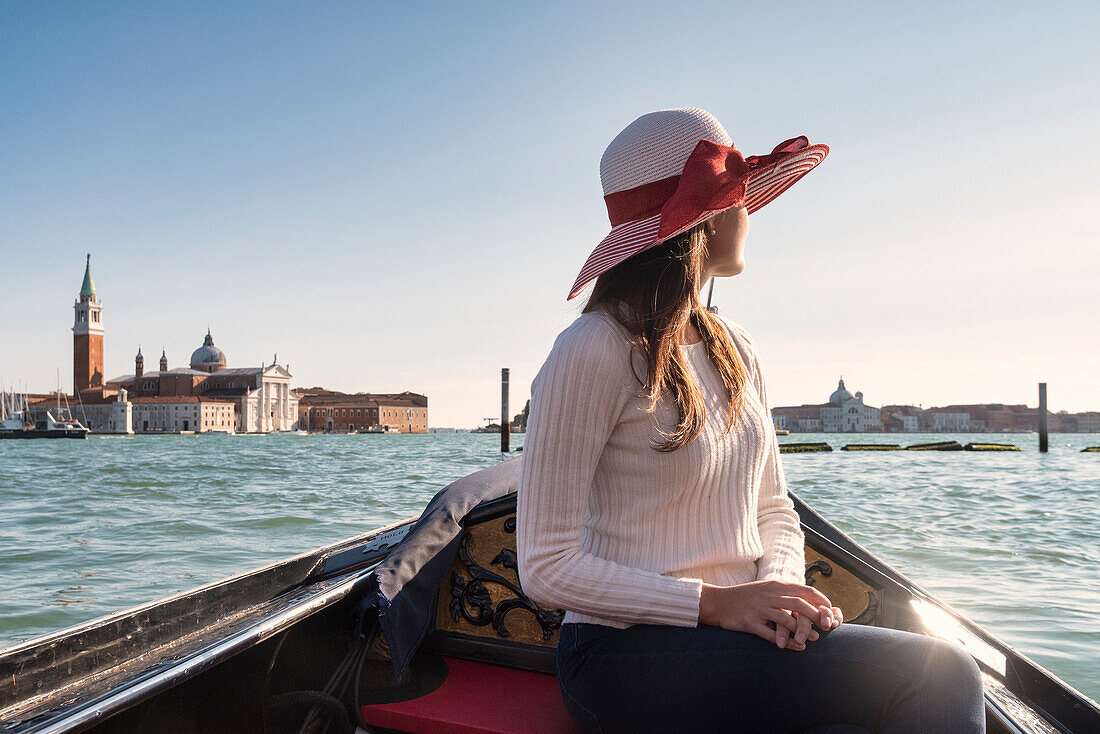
(173, 414)
(844, 413)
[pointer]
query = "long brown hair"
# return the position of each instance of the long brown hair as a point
(653, 295)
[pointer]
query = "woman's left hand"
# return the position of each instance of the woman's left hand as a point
(804, 632)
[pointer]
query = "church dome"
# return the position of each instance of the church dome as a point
(208, 358)
(840, 394)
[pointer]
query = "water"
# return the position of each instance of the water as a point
(1012, 540)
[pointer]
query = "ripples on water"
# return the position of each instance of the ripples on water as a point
(89, 527)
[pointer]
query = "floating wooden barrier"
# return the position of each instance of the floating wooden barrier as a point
(991, 447)
(803, 448)
(1091, 450)
(937, 446)
(871, 447)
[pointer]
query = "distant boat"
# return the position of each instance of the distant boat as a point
(16, 421)
(782, 432)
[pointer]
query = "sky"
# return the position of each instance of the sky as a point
(397, 196)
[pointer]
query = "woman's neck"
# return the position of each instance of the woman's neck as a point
(690, 335)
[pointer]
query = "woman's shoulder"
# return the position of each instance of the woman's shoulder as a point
(741, 337)
(593, 332)
(594, 341)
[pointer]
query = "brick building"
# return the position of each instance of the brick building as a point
(329, 411)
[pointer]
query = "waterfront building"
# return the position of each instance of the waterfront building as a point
(809, 425)
(336, 412)
(1088, 422)
(899, 422)
(995, 417)
(951, 422)
(901, 418)
(984, 417)
(798, 418)
(262, 396)
(843, 413)
(179, 413)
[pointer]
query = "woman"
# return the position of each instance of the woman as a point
(652, 502)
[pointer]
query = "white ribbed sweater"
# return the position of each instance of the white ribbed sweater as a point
(619, 534)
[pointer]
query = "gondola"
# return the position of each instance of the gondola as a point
(313, 643)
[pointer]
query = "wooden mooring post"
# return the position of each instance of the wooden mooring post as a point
(505, 421)
(1042, 417)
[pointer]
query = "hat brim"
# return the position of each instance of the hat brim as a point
(629, 238)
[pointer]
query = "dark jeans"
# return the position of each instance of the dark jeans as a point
(650, 678)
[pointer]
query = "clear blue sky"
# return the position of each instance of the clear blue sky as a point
(400, 199)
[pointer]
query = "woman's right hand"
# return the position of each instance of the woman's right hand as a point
(777, 611)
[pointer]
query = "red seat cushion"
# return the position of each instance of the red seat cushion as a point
(479, 699)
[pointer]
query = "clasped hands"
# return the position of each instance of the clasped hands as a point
(782, 613)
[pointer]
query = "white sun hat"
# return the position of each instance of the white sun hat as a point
(669, 170)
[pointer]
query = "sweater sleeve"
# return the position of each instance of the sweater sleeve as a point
(781, 535)
(576, 400)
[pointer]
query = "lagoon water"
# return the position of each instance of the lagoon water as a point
(1012, 540)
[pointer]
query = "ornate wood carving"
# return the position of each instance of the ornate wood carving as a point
(819, 566)
(868, 615)
(858, 600)
(483, 590)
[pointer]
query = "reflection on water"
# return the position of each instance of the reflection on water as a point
(1011, 539)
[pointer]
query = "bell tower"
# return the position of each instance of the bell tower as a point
(87, 335)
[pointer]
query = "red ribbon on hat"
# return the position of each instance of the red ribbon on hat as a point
(714, 178)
